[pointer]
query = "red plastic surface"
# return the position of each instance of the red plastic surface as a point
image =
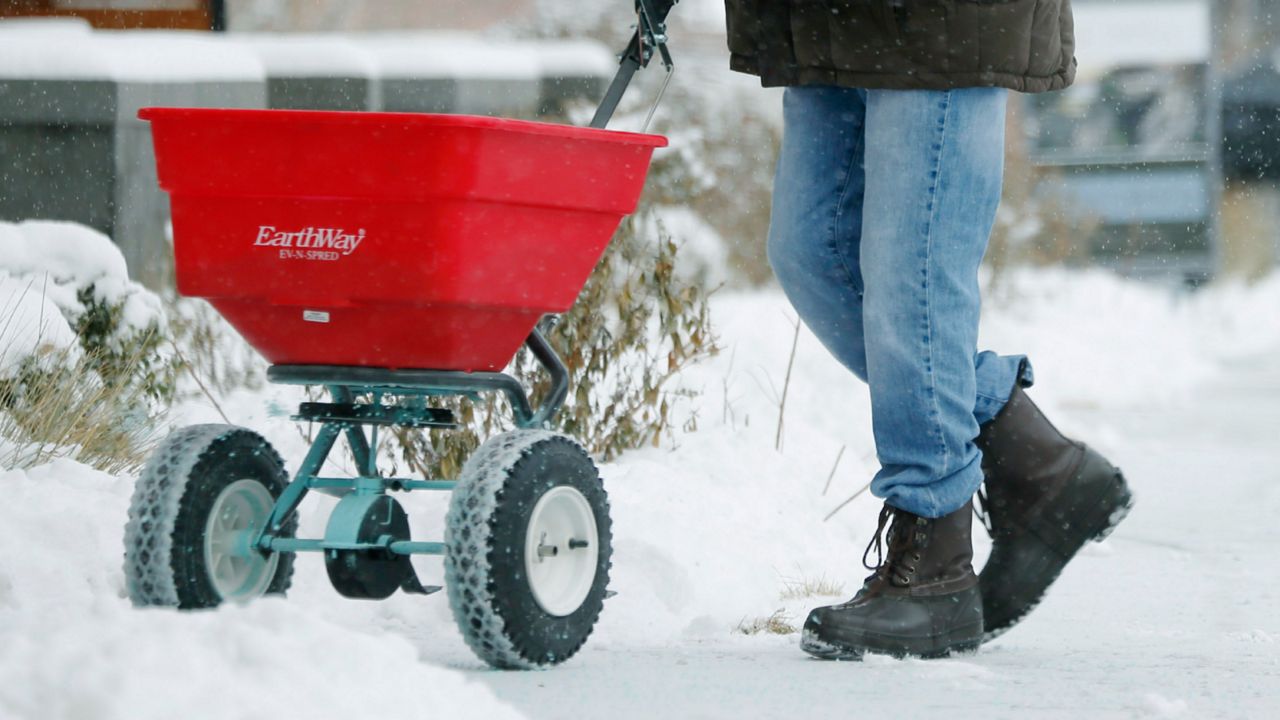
(389, 239)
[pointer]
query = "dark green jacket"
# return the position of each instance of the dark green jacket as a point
(1025, 45)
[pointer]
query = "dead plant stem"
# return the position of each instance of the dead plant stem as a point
(786, 385)
(846, 502)
(195, 376)
(834, 465)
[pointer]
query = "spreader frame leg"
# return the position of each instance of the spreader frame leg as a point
(346, 417)
(551, 362)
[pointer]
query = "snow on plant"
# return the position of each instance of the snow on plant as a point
(83, 370)
(31, 326)
(721, 168)
(211, 352)
(636, 325)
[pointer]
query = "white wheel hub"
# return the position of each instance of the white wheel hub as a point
(561, 550)
(237, 570)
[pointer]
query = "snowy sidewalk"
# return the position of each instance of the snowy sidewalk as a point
(1177, 615)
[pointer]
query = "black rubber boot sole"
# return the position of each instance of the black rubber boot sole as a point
(1106, 513)
(930, 626)
(965, 640)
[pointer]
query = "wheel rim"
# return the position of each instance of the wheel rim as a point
(237, 570)
(561, 550)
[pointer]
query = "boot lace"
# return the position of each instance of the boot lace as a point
(896, 561)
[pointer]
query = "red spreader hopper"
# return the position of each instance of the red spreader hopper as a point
(388, 239)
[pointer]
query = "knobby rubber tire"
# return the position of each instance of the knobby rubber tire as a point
(164, 537)
(485, 577)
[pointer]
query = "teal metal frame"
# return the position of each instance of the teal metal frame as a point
(414, 388)
(347, 417)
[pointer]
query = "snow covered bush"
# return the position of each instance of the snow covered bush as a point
(635, 326)
(211, 352)
(83, 367)
(721, 169)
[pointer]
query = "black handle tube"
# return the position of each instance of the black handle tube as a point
(650, 34)
(616, 90)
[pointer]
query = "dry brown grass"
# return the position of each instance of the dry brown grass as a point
(802, 588)
(779, 623)
(58, 406)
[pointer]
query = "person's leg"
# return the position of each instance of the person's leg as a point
(996, 376)
(934, 165)
(816, 229)
(817, 216)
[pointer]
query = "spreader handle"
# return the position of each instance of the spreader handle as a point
(650, 35)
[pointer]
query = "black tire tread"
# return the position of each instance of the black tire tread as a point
(160, 564)
(469, 561)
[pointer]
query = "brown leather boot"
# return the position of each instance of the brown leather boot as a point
(922, 601)
(1045, 497)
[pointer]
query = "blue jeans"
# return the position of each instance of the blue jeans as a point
(882, 208)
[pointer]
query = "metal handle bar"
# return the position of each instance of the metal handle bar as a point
(650, 36)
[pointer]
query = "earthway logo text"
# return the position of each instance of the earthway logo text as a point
(310, 238)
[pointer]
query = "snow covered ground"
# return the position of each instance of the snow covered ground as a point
(1174, 616)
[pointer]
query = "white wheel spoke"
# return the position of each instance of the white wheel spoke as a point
(222, 544)
(222, 568)
(236, 519)
(236, 574)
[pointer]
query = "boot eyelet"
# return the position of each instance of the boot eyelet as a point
(915, 556)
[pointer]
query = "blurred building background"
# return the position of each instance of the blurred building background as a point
(1165, 151)
(323, 15)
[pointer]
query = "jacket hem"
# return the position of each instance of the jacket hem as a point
(787, 76)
